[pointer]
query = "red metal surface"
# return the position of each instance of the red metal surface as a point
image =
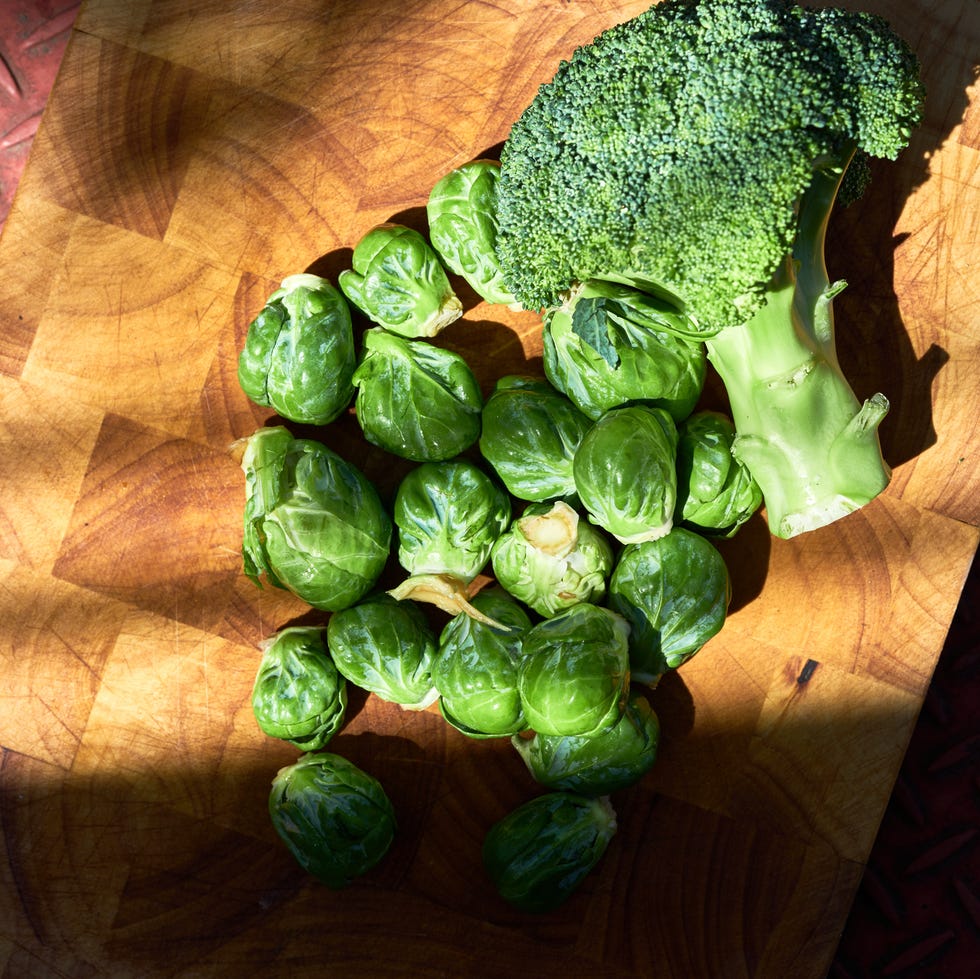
(33, 35)
(917, 913)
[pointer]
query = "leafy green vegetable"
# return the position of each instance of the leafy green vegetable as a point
(574, 671)
(335, 819)
(462, 217)
(674, 592)
(313, 523)
(386, 647)
(539, 854)
(475, 671)
(716, 493)
(448, 515)
(398, 282)
(625, 472)
(299, 354)
(589, 322)
(416, 400)
(608, 345)
(530, 434)
(695, 152)
(298, 694)
(550, 559)
(597, 764)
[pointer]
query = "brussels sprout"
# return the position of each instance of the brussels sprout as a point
(313, 522)
(674, 592)
(399, 283)
(550, 559)
(539, 853)
(448, 515)
(386, 647)
(298, 694)
(574, 671)
(530, 434)
(610, 345)
(462, 214)
(416, 400)
(716, 493)
(596, 764)
(475, 671)
(625, 473)
(335, 819)
(299, 354)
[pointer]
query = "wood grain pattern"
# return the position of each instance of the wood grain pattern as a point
(192, 154)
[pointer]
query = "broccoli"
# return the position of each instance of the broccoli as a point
(695, 152)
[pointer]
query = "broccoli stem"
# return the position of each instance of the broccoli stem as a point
(810, 444)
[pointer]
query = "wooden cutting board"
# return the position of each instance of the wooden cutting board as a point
(194, 153)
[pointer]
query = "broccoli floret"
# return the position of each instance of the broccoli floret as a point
(695, 152)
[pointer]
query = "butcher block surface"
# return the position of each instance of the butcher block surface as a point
(191, 156)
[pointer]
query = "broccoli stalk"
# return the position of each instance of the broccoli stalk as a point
(810, 444)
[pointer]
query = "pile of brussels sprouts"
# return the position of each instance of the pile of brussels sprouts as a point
(583, 502)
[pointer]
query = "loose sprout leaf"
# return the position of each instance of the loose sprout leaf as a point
(590, 324)
(445, 592)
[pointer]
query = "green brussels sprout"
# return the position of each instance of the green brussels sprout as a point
(475, 670)
(539, 853)
(716, 493)
(335, 819)
(448, 515)
(298, 695)
(625, 473)
(530, 434)
(416, 400)
(386, 647)
(610, 345)
(674, 592)
(550, 559)
(574, 672)
(398, 282)
(597, 764)
(314, 524)
(299, 355)
(462, 215)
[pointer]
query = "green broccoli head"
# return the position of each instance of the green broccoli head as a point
(672, 151)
